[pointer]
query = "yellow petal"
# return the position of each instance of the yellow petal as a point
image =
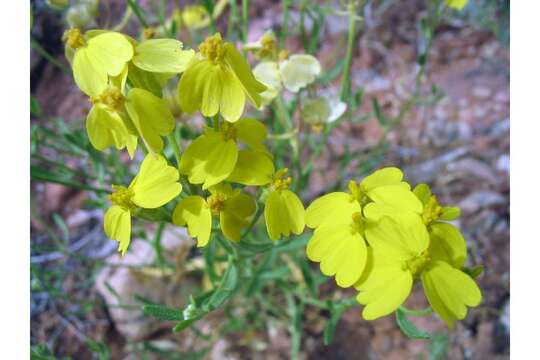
(194, 212)
(89, 77)
(237, 215)
(192, 84)
(299, 71)
(340, 252)
(156, 184)
(253, 168)
(284, 214)
(251, 132)
(213, 89)
(385, 287)
(267, 72)
(117, 226)
(162, 56)
(111, 50)
(241, 69)
(382, 177)
(151, 116)
(396, 196)
(457, 4)
(106, 128)
(449, 291)
(233, 98)
(209, 159)
(336, 207)
(447, 244)
(397, 240)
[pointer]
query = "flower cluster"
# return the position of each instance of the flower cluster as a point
(124, 78)
(381, 237)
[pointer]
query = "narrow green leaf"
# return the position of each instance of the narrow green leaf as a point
(408, 328)
(330, 328)
(59, 221)
(163, 312)
(225, 290)
(378, 113)
(182, 325)
(332, 73)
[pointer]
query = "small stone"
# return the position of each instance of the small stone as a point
(481, 199)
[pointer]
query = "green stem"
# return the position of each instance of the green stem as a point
(285, 25)
(157, 244)
(346, 74)
(286, 122)
(215, 122)
(254, 220)
(245, 15)
(417, 313)
(72, 184)
(137, 11)
(41, 51)
(176, 148)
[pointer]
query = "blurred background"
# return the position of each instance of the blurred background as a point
(86, 302)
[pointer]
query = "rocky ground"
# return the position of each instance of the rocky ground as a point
(460, 146)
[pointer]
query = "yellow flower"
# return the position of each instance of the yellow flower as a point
(399, 254)
(283, 212)
(322, 110)
(338, 241)
(214, 156)
(234, 209)
(162, 56)
(154, 186)
(107, 123)
(456, 4)
(150, 116)
(195, 16)
(277, 69)
(265, 48)
(97, 56)
(447, 243)
(218, 79)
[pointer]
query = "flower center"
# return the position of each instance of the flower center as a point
(212, 48)
(280, 179)
(74, 38)
(228, 131)
(112, 97)
(269, 46)
(417, 263)
(122, 197)
(432, 210)
(216, 202)
(149, 33)
(283, 55)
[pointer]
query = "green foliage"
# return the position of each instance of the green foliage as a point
(163, 312)
(408, 328)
